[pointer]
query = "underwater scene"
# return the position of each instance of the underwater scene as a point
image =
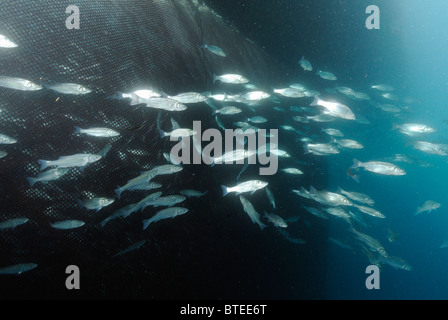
(223, 150)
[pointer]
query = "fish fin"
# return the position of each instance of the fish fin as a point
(43, 164)
(146, 223)
(162, 133)
(315, 102)
(103, 223)
(356, 164)
(312, 189)
(31, 181)
(79, 201)
(118, 192)
(224, 190)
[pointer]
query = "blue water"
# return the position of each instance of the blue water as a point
(409, 51)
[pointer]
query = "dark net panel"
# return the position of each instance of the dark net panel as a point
(120, 46)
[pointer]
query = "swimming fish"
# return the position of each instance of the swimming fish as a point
(214, 49)
(69, 88)
(230, 78)
(67, 224)
(251, 212)
(98, 132)
(76, 160)
(49, 175)
(12, 223)
(18, 268)
(305, 64)
(18, 84)
(6, 42)
(165, 214)
(248, 186)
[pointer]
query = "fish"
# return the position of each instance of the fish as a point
(337, 212)
(321, 148)
(357, 196)
(389, 108)
(431, 148)
(167, 201)
(370, 211)
(3, 154)
(13, 223)
(248, 186)
(165, 104)
(139, 96)
(214, 49)
(428, 206)
(132, 247)
(292, 171)
(49, 175)
(326, 75)
(316, 212)
(257, 119)
(4, 139)
(270, 196)
(67, 224)
(192, 193)
(329, 198)
(276, 220)
(230, 78)
(95, 203)
(284, 233)
(5, 42)
(76, 160)
(120, 213)
(333, 132)
(251, 212)
(103, 152)
(69, 88)
(383, 87)
(290, 92)
(18, 84)
(178, 133)
(396, 262)
(255, 95)
(389, 96)
(371, 242)
(348, 143)
(18, 268)
(189, 97)
(230, 110)
(379, 167)
(232, 156)
(335, 109)
(413, 129)
(305, 64)
(98, 132)
(136, 183)
(167, 213)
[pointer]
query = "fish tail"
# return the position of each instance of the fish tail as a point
(162, 133)
(356, 164)
(315, 102)
(79, 201)
(118, 192)
(224, 190)
(77, 129)
(214, 78)
(103, 223)
(262, 226)
(31, 181)
(146, 223)
(43, 164)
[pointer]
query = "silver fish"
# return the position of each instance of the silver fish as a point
(335, 109)
(48, 175)
(177, 133)
(95, 203)
(147, 201)
(165, 104)
(357, 196)
(120, 213)
(348, 143)
(18, 84)
(248, 186)
(431, 148)
(18, 268)
(167, 201)
(305, 64)
(230, 110)
(276, 220)
(321, 148)
(370, 211)
(383, 87)
(289, 92)
(76, 160)
(69, 88)
(67, 224)
(251, 212)
(98, 132)
(326, 75)
(4, 139)
(165, 214)
(6, 42)
(230, 78)
(189, 97)
(428, 205)
(214, 49)
(333, 132)
(292, 171)
(379, 167)
(12, 223)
